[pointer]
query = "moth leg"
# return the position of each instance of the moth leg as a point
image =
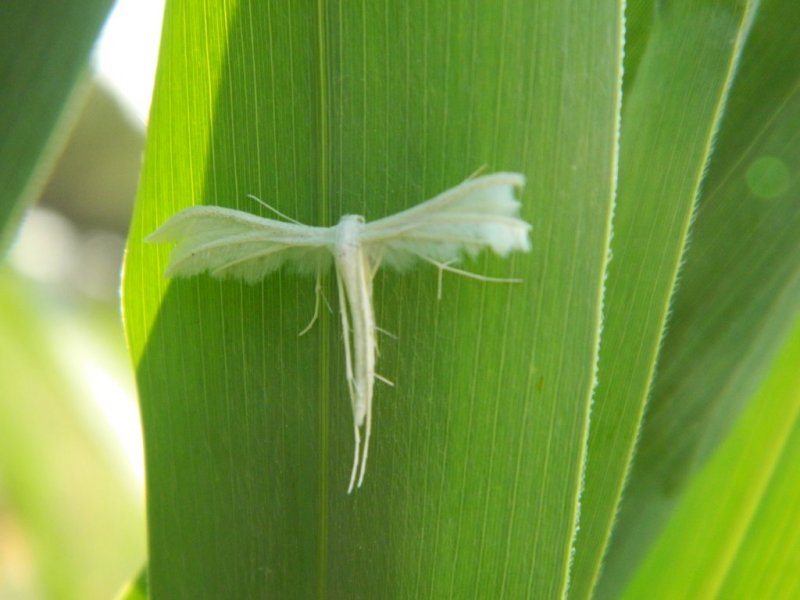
(446, 267)
(356, 453)
(368, 429)
(351, 384)
(325, 300)
(348, 353)
(376, 264)
(440, 271)
(383, 379)
(315, 316)
(385, 332)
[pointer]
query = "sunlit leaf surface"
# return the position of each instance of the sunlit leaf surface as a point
(475, 467)
(739, 290)
(734, 534)
(668, 126)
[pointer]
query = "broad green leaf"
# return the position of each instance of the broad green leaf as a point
(474, 474)
(44, 46)
(739, 290)
(668, 124)
(640, 19)
(734, 534)
(58, 479)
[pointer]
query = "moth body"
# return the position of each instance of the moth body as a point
(480, 213)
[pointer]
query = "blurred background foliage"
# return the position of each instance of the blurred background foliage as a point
(71, 474)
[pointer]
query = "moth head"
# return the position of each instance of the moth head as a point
(348, 231)
(350, 225)
(352, 220)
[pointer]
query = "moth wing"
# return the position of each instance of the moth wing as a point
(479, 213)
(229, 243)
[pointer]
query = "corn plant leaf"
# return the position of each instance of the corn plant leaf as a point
(44, 46)
(668, 124)
(734, 533)
(739, 290)
(474, 474)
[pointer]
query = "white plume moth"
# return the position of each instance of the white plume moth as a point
(479, 213)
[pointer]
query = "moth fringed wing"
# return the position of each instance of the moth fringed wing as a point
(481, 212)
(236, 244)
(476, 214)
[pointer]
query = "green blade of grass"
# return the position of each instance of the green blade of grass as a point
(44, 46)
(739, 291)
(669, 119)
(734, 533)
(477, 452)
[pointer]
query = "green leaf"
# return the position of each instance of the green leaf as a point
(734, 534)
(136, 589)
(668, 124)
(44, 46)
(739, 290)
(474, 474)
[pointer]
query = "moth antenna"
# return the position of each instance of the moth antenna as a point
(275, 210)
(479, 170)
